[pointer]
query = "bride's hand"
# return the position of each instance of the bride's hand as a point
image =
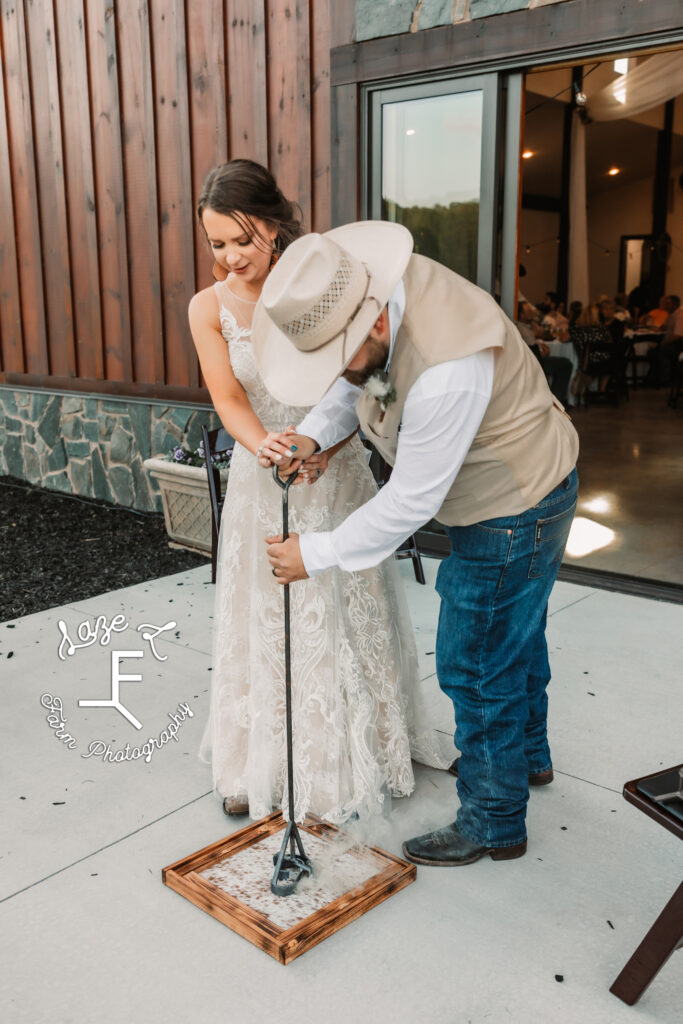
(298, 445)
(277, 449)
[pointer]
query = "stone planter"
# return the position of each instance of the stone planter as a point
(185, 497)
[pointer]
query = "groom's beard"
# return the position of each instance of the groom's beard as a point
(376, 356)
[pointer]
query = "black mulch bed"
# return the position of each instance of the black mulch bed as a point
(56, 549)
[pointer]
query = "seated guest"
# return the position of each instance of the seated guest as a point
(554, 319)
(621, 308)
(575, 311)
(616, 328)
(608, 316)
(672, 343)
(593, 343)
(527, 323)
(556, 369)
(657, 317)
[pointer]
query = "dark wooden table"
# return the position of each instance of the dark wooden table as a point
(666, 934)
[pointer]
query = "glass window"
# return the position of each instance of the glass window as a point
(431, 175)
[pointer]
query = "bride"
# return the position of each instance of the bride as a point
(354, 663)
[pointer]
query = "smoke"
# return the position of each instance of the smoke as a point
(346, 860)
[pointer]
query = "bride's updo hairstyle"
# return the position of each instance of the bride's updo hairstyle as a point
(243, 189)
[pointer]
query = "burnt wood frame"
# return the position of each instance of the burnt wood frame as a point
(282, 944)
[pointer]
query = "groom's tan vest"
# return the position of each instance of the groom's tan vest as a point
(525, 444)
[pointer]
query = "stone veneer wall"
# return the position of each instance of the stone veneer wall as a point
(376, 18)
(91, 445)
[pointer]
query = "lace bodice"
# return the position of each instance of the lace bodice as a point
(235, 317)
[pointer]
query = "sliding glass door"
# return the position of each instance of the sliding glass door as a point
(442, 158)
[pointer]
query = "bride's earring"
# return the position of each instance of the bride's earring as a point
(219, 272)
(274, 256)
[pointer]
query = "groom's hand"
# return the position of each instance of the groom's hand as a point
(285, 558)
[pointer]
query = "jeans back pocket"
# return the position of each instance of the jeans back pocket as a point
(549, 542)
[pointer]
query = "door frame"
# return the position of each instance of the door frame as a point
(569, 32)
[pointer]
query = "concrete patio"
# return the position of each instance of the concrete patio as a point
(90, 934)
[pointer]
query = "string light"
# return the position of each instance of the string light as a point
(530, 246)
(566, 89)
(546, 241)
(599, 245)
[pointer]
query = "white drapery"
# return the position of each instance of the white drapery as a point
(656, 80)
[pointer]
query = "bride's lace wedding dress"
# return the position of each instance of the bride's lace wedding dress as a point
(354, 663)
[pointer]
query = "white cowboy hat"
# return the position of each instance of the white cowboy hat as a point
(319, 304)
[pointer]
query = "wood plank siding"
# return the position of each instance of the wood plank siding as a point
(111, 114)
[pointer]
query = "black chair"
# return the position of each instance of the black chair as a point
(214, 442)
(648, 360)
(599, 357)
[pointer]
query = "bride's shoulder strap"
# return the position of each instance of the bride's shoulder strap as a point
(235, 324)
(222, 293)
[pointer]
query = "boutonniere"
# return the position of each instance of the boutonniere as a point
(379, 387)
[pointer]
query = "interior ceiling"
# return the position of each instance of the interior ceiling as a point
(626, 144)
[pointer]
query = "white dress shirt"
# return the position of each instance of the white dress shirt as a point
(441, 415)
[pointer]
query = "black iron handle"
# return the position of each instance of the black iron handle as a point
(285, 485)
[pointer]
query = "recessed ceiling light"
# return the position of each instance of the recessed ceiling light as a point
(410, 131)
(527, 154)
(614, 170)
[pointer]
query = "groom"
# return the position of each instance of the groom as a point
(442, 384)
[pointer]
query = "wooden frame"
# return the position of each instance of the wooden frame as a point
(283, 943)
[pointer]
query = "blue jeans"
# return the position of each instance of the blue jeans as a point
(492, 658)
